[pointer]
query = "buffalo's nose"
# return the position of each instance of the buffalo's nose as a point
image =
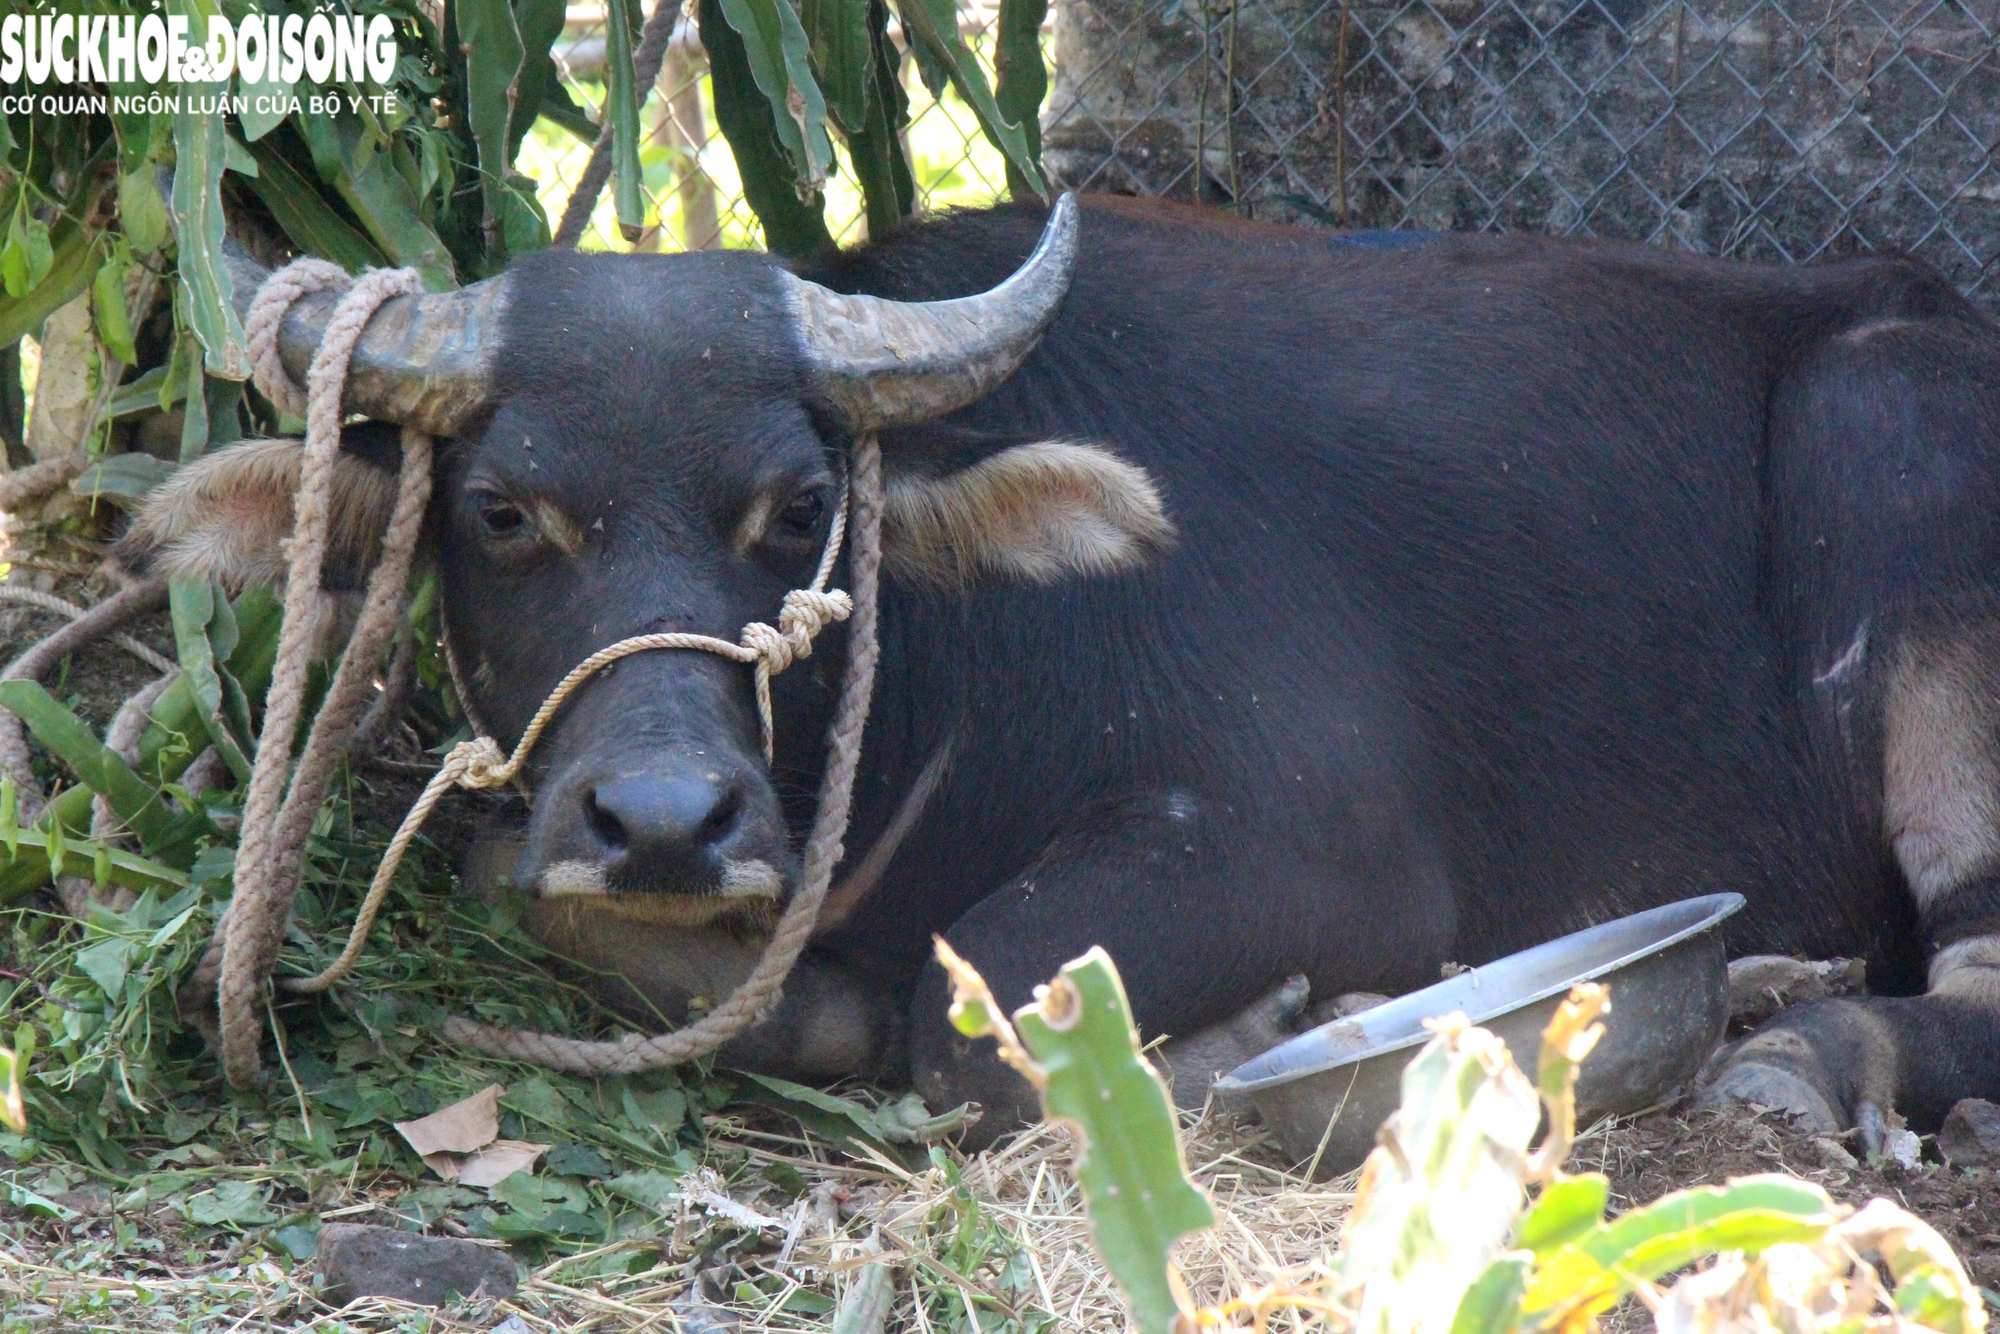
(665, 822)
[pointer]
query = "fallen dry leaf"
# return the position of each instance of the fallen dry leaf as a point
(444, 1164)
(468, 1124)
(497, 1161)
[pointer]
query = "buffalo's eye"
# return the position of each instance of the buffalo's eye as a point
(801, 517)
(501, 518)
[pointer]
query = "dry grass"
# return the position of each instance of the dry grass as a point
(1028, 1263)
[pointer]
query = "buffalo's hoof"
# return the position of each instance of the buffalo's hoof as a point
(1770, 1086)
(1778, 1069)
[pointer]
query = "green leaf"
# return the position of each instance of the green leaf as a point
(107, 962)
(348, 159)
(122, 479)
(22, 1198)
(1492, 1305)
(934, 26)
(201, 155)
(660, 1110)
(1749, 1215)
(27, 866)
(860, 1115)
(578, 1160)
(538, 1099)
(12, 1111)
(300, 1240)
(791, 227)
(237, 158)
(209, 402)
(865, 1308)
(141, 394)
(136, 130)
(1022, 81)
(177, 731)
(561, 109)
(142, 210)
(107, 300)
(653, 1190)
(542, 1207)
(100, 768)
(1565, 1211)
(173, 927)
(888, 191)
(28, 256)
(193, 603)
(493, 59)
(540, 24)
(524, 228)
(306, 216)
(839, 34)
(780, 62)
(1135, 1183)
(231, 1204)
(621, 105)
(274, 95)
(74, 266)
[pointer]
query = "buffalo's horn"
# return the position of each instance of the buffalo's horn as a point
(896, 363)
(423, 361)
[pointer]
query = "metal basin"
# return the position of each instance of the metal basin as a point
(1669, 1004)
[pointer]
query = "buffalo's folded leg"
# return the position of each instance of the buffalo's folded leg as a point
(1210, 914)
(1851, 1061)
(1848, 1062)
(1192, 1063)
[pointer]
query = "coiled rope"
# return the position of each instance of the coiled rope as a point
(276, 821)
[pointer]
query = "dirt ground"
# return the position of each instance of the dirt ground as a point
(1668, 1151)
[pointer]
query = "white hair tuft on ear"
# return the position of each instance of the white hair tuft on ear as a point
(1038, 512)
(228, 515)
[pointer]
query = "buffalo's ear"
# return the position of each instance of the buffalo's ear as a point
(228, 516)
(1037, 512)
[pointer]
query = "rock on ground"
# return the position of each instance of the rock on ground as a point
(362, 1260)
(1970, 1136)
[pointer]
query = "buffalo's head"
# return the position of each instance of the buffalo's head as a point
(651, 443)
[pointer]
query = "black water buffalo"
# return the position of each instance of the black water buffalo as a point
(1291, 609)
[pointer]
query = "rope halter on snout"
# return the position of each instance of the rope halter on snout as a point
(276, 821)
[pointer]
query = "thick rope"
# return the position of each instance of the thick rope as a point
(34, 597)
(754, 998)
(647, 58)
(275, 821)
(128, 726)
(24, 486)
(387, 706)
(33, 664)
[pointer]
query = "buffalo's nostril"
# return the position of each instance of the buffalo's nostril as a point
(665, 822)
(604, 823)
(721, 821)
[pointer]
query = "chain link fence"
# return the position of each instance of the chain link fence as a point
(1785, 130)
(1768, 129)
